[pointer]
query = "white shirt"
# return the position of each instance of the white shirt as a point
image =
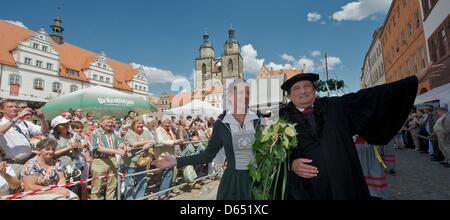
(15, 144)
(234, 125)
(242, 138)
(4, 187)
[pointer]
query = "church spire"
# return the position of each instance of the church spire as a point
(206, 42)
(57, 30)
(231, 34)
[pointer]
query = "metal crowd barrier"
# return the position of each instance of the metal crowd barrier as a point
(119, 177)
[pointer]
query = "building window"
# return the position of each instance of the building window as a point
(99, 64)
(104, 66)
(38, 63)
(204, 69)
(417, 19)
(39, 84)
(28, 60)
(35, 45)
(410, 29)
(49, 66)
(398, 11)
(73, 88)
(14, 79)
(94, 77)
(73, 72)
(56, 87)
(230, 65)
(135, 87)
(433, 47)
(414, 60)
(422, 58)
(101, 78)
(107, 79)
(442, 42)
(44, 48)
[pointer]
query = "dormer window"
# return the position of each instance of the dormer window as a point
(73, 72)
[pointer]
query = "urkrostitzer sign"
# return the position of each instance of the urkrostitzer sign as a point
(115, 101)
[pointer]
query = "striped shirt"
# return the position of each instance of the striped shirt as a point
(101, 138)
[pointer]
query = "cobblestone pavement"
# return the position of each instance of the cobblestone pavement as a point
(418, 178)
(207, 192)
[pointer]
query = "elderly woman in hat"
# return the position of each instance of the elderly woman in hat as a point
(325, 163)
(234, 131)
(69, 147)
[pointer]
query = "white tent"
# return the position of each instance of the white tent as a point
(194, 108)
(441, 94)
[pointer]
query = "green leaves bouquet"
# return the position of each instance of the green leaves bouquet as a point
(271, 149)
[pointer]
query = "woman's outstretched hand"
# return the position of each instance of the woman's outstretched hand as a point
(165, 161)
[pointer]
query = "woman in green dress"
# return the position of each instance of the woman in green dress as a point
(235, 131)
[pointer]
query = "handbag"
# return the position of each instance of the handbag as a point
(189, 174)
(144, 159)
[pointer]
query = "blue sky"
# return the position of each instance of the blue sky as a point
(165, 35)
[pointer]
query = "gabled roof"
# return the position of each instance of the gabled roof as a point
(71, 56)
(10, 36)
(288, 72)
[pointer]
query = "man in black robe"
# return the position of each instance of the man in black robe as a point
(325, 164)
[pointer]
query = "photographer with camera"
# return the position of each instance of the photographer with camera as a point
(17, 132)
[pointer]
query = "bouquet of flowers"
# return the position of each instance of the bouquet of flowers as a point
(271, 148)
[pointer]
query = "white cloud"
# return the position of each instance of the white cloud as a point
(332, 62)
(155, 75)
(18, 23)
(252, 64)
(358, 10)
(287, 57)
(275, 66)
(316, 53)
(310, 63)
(306, 64)
(313, 16)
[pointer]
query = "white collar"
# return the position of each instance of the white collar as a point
(231, 120)
(303, 109)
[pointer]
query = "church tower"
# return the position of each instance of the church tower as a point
(57, 31)
(204, 63)
(232, 62)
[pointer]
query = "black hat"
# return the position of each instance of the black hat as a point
(299, 77)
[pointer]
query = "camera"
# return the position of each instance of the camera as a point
(33, 112)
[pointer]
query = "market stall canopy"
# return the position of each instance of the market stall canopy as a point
(441, 94)
(195, 108)
(99, 100)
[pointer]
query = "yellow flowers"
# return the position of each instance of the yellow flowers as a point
(290, 131)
